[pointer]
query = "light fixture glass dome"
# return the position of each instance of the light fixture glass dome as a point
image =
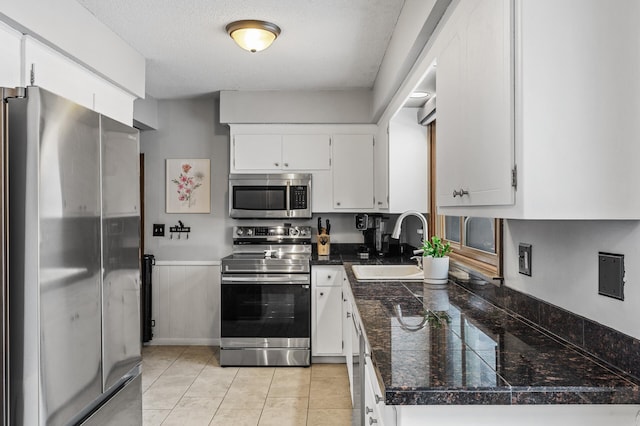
(253, 35)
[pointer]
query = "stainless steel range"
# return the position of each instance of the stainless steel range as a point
(266, 297)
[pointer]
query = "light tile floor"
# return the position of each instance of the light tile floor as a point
(185, 385)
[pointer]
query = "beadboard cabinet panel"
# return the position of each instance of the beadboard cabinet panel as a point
(186, 304)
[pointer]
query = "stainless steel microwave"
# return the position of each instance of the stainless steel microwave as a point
(270, 196)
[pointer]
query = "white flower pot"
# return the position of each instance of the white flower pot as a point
(436, 270)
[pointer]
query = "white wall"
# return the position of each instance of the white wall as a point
(190, 128)
(145, 113)
(320, 106)
(565, 267)
(412, 36)
(187, 129)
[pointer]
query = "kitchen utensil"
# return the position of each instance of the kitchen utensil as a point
(328, 227)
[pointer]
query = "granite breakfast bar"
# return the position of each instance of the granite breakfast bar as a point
(451, 355)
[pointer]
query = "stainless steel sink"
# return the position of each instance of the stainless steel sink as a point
(387, 273)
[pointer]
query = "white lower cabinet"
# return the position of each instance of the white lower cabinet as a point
(347, 335)
(326, 310)
(186, 303)
(374, 407)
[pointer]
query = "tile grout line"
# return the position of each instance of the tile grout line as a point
(264, 403)
(163, 371)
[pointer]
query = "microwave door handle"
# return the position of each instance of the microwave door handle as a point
(288, 198)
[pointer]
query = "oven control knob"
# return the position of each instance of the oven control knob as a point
(294, 232)
(240, 232)
(249, 232)
(303, 232)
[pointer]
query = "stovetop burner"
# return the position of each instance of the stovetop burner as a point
(269, 249)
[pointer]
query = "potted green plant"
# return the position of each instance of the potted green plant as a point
(435, 262)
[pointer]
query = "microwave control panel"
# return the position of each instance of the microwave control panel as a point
(298, 198)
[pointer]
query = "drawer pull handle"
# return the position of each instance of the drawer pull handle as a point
(372, 420)
(460, 193)
(368, 410)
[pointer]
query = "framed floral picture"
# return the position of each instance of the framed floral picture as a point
(188, 185)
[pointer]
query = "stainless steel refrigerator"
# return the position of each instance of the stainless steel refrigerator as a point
(73, 330)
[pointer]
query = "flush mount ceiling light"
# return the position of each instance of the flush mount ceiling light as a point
(253, 35)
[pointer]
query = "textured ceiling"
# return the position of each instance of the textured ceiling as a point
(324, 44)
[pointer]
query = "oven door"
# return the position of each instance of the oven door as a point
(265, 310)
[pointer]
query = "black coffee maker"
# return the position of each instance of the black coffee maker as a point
(377, 238)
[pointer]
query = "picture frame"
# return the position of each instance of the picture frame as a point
(188, 185)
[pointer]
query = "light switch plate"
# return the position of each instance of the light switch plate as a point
(158, 229)
(524, 259)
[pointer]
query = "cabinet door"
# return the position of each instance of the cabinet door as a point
(374, 404)
(10, 41)
(306, 152)
(353, 172)
(257, 152)
(475, 140)
(326, 328)
(408, 159)
(347, 326)
(328, 321)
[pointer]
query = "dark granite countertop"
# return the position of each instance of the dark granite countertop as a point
(451, 346)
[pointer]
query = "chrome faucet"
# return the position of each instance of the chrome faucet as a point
(398, 227)
(418, 259)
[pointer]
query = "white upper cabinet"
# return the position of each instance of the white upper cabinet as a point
(276, 152)
(257, 152)
(10, 50)
(306, 152)
(340, 159)
(575, 109)
(353, 176)
(58, 74)
(408, 160)
(475, 144)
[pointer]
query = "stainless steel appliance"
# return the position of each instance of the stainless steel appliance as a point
(74, 277)
(270, 196)
(266, 297)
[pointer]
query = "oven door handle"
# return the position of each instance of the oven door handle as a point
(273, 279)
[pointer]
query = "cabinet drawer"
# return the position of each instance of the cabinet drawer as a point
(327, 276)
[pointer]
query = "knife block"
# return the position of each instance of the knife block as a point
(324, 245)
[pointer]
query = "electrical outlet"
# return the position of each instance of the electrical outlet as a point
(524, 259)
(158, 229)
